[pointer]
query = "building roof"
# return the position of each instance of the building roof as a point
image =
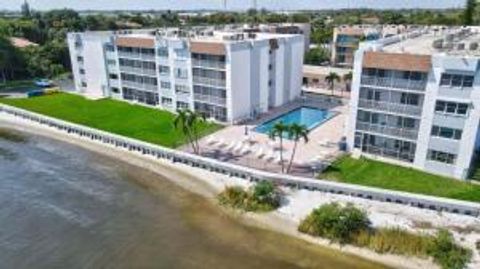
(463, 41)
(21, 43)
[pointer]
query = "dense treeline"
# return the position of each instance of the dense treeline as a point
(49, 29)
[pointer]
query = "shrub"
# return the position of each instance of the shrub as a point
(394, 240)
(477, 245)
(335, 222)
(233, 196)
(264, 196)
(266, 193)
(448, 254)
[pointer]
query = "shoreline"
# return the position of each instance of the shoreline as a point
(208, 185)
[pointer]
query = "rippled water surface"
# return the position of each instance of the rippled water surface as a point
(65, 207)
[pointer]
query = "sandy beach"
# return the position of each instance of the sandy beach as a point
(298, 203)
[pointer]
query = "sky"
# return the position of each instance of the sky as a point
(231, 4)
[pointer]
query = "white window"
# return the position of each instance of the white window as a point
(440, 156)
(165, 85)
(181, 73)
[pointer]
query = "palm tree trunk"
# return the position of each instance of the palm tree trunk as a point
(195, 137)
(281, 153)
(292, 156)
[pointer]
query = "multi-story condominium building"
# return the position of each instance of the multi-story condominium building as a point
(416, 100)
(226, 75)
(347, 37)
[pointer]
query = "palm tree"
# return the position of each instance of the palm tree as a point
(182, 122)
(331, 78)
(347, 78)
(194, 119)
(296, 132)
(279, 130)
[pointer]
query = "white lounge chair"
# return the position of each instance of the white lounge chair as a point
(246, 149)
(211, 140)
(237, 147)
(221, 143)
(230, 146)
(260, 153)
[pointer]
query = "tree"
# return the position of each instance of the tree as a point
(279, 130)
(347, 78)
(296, 132)
(469, 12)
(187, 121)
(331, 78)
(317, 56)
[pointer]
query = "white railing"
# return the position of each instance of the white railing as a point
(208, 64)
(140, 86)
(209, 99)
(398, 83)
(390, 153)
(387, 130)
(142, 56)
(209, 81)
(390, 107)
(176, 156)
(138, 70)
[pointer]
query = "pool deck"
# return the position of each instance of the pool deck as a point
(232, 145)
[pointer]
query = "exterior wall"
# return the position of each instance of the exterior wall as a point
(294, 70)
(95, 77)
(238, 84)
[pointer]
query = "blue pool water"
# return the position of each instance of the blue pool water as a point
(310, 117)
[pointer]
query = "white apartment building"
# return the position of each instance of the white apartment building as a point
(226, 75)
(346, 39)
(416, 100)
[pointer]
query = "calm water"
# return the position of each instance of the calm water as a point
(65, 207)
(308, 116)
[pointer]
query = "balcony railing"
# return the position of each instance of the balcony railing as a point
(388, 130)
(209, 81)
(390, 153)
(418, 85)
(140, 86)
(138, 70)
(210, 99)
(390, 107)
(208, 64)
(131, 55)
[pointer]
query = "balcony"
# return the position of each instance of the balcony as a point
(140, 86)
(137, 70)
(389, 153)
(141, 56)
(209, 81)
(210, 99)
(390, 107)
(387, 82)
(388, 130)
(455, 92)
(208, 64)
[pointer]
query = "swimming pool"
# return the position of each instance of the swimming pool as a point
(308, 116)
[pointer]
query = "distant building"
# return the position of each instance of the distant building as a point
(314, 77)
(415, 100)
(226, 74)
(21, 43)
(346, 39)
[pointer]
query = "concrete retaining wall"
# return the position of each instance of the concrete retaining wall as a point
(387, 196)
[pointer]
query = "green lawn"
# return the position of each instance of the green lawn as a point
(147, 124)
(378, 174)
